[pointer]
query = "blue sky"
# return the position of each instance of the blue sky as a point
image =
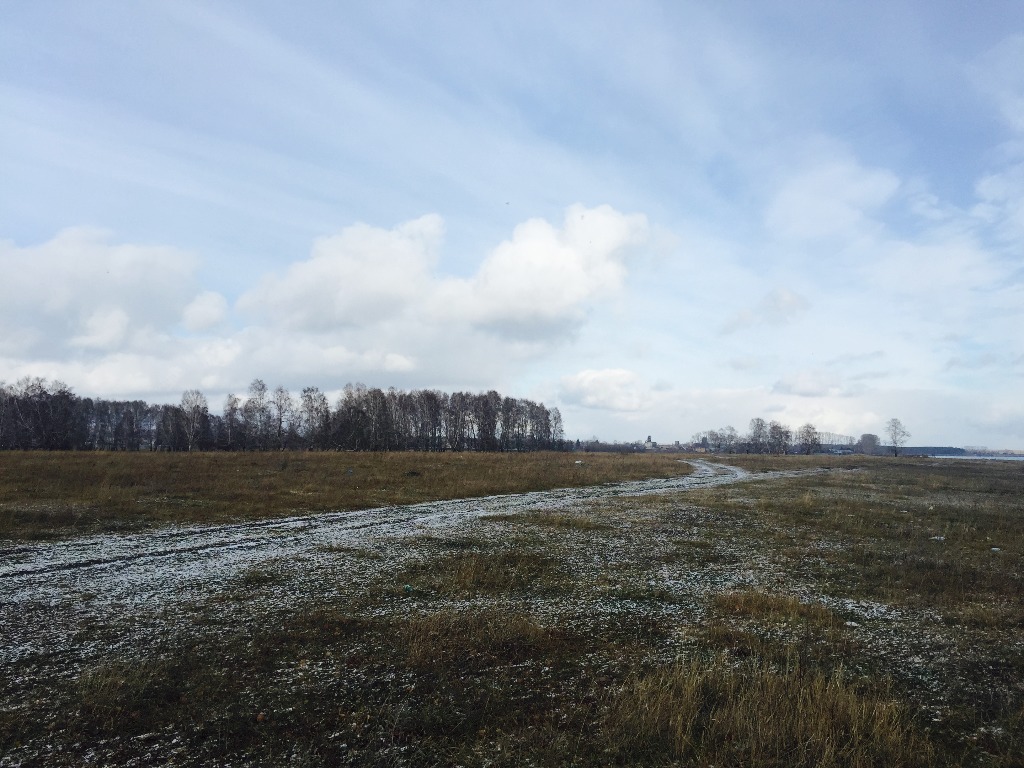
(659, 217)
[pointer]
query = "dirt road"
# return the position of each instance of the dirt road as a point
(48, 591)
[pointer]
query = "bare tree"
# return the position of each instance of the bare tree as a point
(232, 421)
(808, 438)
(316, 418)
(757, 438)
(282, 408)
(194, 413)
(897, 435)
(779, 438)
(557, 434)
(868, 443)
(256, 415)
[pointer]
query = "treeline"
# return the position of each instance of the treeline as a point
(772, 437)
(36, 414)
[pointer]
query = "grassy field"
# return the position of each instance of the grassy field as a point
(866, 612)
(46, 495)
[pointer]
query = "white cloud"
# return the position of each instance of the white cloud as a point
(540, 283)
(1001, 201)
(810, 383)
(104, 329)
(613, 389)
(999, 74)
(366, 303)
(778, 307)
(943, 275)
(81, 267)
(205, 311)
(105, 292)
(362, 275)
(833, 198)
(378, 288)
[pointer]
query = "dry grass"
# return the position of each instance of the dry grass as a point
(43, 495)
(759, 605)
(480, 639)
(518, 569)
(711, 713)
(802, 621)
(580, 522)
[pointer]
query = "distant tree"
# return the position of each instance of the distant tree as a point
(868, 443)
(433, 404)
(897, 435)
(232, 423)
(757, 437)
(6, 417)
(486, 409)
(281, 409)
(808, 438)
(779, 438)
(557, 434)
(170, 431)
(315, 412)
(256, 416)
(195, 412)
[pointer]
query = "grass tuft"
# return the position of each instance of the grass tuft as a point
(483, 573)
(711, 713)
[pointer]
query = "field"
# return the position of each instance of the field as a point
(53, 495)
(792, 612)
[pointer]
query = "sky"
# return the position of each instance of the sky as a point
(659, 217)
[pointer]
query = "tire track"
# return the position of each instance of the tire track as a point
(23, 565)
(105, 551)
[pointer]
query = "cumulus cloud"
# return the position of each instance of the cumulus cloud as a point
(362, 275)
(103, 329)
(613, 389)
(778, 307)
(104, 292)
(542, 280)
(205, 311)
(82, 267)
(831, 198)
(367, 303)
(535, 286)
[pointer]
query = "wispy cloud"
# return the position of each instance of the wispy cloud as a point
(679, 213)
(778, 307)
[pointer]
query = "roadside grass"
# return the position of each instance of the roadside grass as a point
(801, 621)
(57, 494)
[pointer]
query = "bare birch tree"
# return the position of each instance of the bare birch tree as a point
(897, 435)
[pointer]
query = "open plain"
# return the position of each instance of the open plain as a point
(412, 609)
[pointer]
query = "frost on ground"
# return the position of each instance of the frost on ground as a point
(49, 590)
(558, 596)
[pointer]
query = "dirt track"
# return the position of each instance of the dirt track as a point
(49, 591)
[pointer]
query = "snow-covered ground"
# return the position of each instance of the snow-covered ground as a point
(66, 607)
(49, 590)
